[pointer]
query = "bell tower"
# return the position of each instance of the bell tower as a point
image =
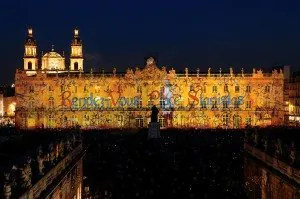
(76, 58)
(30, 54)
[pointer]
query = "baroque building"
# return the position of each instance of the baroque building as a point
(56, 96)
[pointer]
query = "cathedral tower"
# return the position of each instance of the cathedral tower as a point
(76, 58)
(30, 54)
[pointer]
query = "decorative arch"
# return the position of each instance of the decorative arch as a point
(76, 66)
(29, 65)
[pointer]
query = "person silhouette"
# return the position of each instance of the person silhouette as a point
(154, 114)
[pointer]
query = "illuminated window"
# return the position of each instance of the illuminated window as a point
(236, 121)
(51, 120)
(51, 102)
(226, 119)
(215, 89)
(225, 88)
(139, 103)
(203, 103)
(50, 88)
(29, 67)
(139, 89)
(204, 89)
(31, 90)
(62, 88)
(236, 103)
(267, 89)
(214, 103)
(248, 89)
(162, 122)
(85, 88)
(248, 104)
(162, 103)
(76, 66)
(225, 103)
(74, 120)
(248, 121)
(139, 122)
(237, 89)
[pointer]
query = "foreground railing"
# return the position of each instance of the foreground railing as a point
(36, 190)
(282, 167)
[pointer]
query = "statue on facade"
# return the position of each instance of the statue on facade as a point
(231, 71)
(154, 114)
(208, 72)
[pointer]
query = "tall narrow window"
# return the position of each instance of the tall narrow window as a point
(31, 90)
(215, 89)
(237, 89)
(29, 67)
(248, 121)
(76, 66)
(226, 119)
(203, 103)
(214, 103)
(248, 104)
(139, 89)
(51, 102)
(267, 89)
(248, 89)
(225, 88)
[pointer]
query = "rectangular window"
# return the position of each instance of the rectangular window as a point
(31, 90)
(248, 89)
(162, 103)
(85, 89)
(139, 89)
(62, 88)
(204, 89)
(225, 104)
(248, 121)
(237, 89)
(267, 89)
(248, 104)
(215, 89)
(236, 104)
(139, 103)
(203, 103)
(226, 88)
(214, 103)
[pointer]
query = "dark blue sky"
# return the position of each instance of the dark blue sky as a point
(257, 33)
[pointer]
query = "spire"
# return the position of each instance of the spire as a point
(52, 49)
(30, 39)
(76, 40)
(30, 32)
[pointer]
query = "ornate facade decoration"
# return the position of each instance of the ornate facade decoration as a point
(98, 100)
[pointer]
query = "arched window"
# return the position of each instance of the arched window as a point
(29, 67)
(76, 66)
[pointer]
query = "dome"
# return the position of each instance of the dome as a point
(52, 54)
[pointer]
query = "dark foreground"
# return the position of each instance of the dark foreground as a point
(180, 165)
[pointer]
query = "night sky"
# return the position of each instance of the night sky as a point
(241, 33)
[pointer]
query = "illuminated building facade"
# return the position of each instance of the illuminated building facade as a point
(293, 101)
(56, 96)
(7, 105)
